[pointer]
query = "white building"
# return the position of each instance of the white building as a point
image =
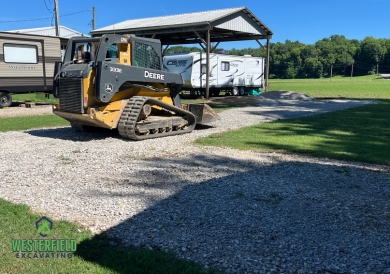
(65, 34)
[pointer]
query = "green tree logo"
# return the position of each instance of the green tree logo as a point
(44, 226)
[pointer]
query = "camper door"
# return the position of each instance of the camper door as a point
(199, 70)
(254, 68)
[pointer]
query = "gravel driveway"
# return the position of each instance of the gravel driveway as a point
(239, 211)
(23, 111)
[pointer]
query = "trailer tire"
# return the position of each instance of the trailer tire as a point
(242, 91)
(5, 99)
(235, 91)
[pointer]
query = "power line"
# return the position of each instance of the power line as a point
(47, 6)
(45, 18)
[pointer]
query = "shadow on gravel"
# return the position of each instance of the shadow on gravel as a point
(286, 216)
(203, 127)
(99, 250)
(67, 133)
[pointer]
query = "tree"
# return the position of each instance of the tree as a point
(312, 68)
(370, 53)
(337, 51)
(181, 49)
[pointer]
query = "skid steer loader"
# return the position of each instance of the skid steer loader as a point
(117, 81)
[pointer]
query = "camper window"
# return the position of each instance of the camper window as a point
(15, 53)
(225, 66)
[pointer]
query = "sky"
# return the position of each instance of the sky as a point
(306, 21)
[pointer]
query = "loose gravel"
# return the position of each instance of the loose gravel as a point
(238, 211)
(23, 111)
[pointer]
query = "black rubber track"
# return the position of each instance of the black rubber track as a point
(130, 114)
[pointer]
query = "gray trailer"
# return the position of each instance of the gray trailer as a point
(26, 64)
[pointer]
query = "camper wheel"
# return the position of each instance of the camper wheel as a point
(242, 91)
(235, 91)
(5, 99)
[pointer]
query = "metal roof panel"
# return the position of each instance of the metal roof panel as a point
(50, 31)
(172, 20)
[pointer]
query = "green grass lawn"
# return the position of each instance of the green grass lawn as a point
(94, 254)
(30, 122)
(362, 87)
(358, 134)
(34, 97)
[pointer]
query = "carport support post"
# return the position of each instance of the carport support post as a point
(208, 65)
(266, 62)
(207, 43)
(267, 65)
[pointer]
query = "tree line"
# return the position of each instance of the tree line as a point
(335, 55)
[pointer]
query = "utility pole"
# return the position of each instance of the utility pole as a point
(57, 15)
(93, 18)
(331, 71)
(352, 70)
(377, 69)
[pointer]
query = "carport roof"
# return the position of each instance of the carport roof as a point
(231, 24)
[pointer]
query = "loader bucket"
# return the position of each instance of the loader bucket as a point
(204, 114)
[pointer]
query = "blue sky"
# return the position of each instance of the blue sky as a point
(306, 21)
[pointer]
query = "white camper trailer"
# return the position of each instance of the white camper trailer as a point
(235, 74)
(26, 64)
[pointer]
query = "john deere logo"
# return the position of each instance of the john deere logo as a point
(44, 226)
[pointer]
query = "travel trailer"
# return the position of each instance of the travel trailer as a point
(235, 74)
(26, 64)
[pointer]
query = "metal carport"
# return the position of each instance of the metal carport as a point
(204, 28)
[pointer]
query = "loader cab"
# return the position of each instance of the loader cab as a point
(118, 53)
(146, 57)
(131, 50)
(127, 50)
(81, 50)
(84, 52)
